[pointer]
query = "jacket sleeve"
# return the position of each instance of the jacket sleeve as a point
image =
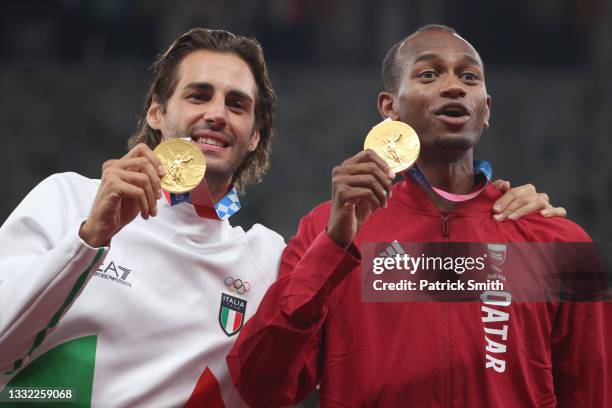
(43, 266)
(581, 357)
(580, 344)
(275, 360)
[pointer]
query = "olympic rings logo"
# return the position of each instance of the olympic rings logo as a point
(237, 285)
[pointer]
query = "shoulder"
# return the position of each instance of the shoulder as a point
(54, 205)
(264, 242)
(266, 246)
(555, 229)
(261, 235)
(62, 190)
(69, 182)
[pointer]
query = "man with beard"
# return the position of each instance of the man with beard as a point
(118, 310)
(312, 327)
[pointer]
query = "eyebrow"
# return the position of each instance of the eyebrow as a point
(433, 56)
(205, 86)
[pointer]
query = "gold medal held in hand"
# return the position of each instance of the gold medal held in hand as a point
(396, 142)
(184, 163)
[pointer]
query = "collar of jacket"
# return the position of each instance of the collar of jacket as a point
(409, 194)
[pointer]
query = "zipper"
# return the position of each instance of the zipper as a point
(446, 226)
(447, 354)
(448, 392)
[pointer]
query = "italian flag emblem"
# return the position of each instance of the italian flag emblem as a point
(231, 314)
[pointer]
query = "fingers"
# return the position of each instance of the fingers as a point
(501, 185)
(142, 150)
(520, 207)
(365, 169)
(554, 212)
(520, 201)
(129, 190)
(366, 175)
(142, 165)
(351, 194)
(501, 205)
(143, 182)
(143, 169)
(360, 185)
(370, 156)
(124, 184)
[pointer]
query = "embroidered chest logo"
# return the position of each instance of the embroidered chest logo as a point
(115, 273)
(231, 314)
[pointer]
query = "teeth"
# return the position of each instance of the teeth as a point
(209, 141)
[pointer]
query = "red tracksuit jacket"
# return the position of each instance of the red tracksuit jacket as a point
(312, 327)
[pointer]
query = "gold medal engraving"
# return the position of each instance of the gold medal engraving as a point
(184, 163)
(396, 142)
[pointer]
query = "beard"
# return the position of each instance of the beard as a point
(453, 143)
(456, 142)
(221, 171)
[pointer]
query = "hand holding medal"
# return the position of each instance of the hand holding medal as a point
(128, 186)
(362, 184)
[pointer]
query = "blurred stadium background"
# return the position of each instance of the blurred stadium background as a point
(73, 76)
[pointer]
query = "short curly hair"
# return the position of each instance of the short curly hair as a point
(165, 79)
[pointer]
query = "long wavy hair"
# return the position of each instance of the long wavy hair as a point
(165, 79)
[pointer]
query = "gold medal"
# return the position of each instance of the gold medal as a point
(184, 163)
(396, 142)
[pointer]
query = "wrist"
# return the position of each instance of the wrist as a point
(91, 237)
(338, 239)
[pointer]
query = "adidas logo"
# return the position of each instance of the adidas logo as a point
(394, 249)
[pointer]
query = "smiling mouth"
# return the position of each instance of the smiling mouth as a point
(209, 141)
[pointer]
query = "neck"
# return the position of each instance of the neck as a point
(217, 187)
(454, 174)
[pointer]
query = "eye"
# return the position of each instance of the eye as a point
(236, 104)
(469, 76)
(427, 74)
(198, 97)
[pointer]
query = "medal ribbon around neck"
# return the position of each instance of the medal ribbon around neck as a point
(398, 144)
(482, 168)
(223, 210)
(184, 180)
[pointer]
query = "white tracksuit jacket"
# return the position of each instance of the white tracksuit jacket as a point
(136, 324)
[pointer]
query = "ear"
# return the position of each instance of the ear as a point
(487, 115)
(155, 115)
(386, 106)
(254, 140)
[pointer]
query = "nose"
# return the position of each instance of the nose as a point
(215, 114)
(453, 88)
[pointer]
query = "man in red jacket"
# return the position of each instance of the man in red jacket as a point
(312, 326)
